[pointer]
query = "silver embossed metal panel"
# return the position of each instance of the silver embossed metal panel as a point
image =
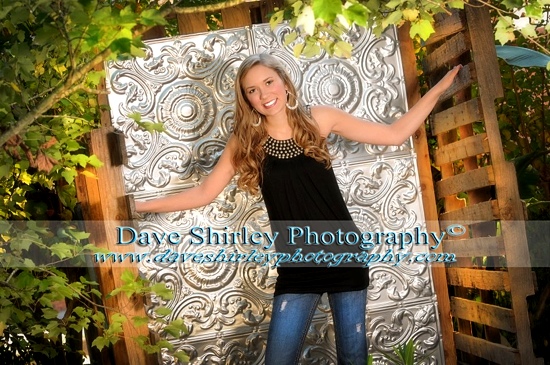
(186, 83)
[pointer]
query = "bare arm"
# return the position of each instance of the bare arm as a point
(339, 122)
(200, 195)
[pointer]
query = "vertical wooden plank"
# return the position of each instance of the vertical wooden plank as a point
(154, 33)
(428, 196)
(104, 208)
(236, 16)
(192, 23)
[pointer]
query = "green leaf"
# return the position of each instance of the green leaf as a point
(151, 127)
(276, 19)
(45, 35)
(343, 49)
(79, 235)
(356, 13)
(290, 37)
(458, 4)
(32, 136)
(118, 318)
(121, 46)
(135, 116)
(49, 313)
(140, 321)
(95, 77)
(96, 292)
(152, 17)
(5, 169)
(298, 49)
(327, 9)
(81, 324)
(504, 31)
(394, 3)
(94, 161)
(72, 146)
(165, 344)
(20, 244)
(54, 330)
(176, 328)
(181, 356)
(62, 250)
(394, 18)
(25, 280)
(311, 50)
(512, 4)
(423, 28)
(69, 174)
(100, 342)
(162, 291)
(163, 311)
(533, 10)
(528, 32)
(80, 159)
(127, 277)
(127, 16)
(137, 52)
(410, 14)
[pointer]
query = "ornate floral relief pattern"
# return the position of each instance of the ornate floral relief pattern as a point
(391, 328)
(331, 82)
(186, 83)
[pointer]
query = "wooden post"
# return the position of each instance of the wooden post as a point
(192, 23)
(104, 208)
(420, 140)
(237, 16)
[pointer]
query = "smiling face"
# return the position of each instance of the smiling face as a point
(265, 90)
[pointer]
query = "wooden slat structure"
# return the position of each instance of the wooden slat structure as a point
(463, 158)
(473, 166)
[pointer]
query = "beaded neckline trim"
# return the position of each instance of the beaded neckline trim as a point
(286, 148)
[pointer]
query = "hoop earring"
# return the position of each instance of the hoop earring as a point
(259, 119)
(291, 107)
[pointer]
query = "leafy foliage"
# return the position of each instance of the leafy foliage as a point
(403, 354)
(524, 121)
(51, 53)
(323, 24)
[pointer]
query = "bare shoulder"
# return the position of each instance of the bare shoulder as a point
(325, 116)
(226, 159)
(231, 143)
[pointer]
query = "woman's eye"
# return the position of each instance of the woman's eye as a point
(251, 91)
(269, 82)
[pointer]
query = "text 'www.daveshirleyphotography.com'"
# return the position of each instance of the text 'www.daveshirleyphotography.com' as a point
(292, 245)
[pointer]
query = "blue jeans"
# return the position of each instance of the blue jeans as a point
(291, 318)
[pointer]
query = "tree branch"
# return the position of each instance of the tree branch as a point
(57, 94)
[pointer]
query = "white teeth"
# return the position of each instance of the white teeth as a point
(272, 102)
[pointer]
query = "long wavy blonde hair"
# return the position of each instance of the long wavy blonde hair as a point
(249, 155)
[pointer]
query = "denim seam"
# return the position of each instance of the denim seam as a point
(306, 328)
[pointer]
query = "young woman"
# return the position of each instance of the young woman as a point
(278, 146)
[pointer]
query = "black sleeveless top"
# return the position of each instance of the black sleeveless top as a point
(296, 187)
